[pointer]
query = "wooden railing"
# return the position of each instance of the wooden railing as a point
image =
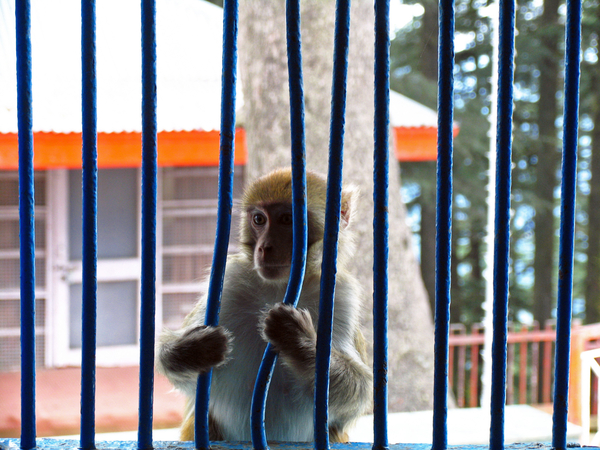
(530, 365)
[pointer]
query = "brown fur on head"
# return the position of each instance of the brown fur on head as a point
(276, 187)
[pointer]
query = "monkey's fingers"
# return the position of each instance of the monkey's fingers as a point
(198, 349)
(288, 328)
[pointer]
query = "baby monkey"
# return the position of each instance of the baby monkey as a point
(252, 315)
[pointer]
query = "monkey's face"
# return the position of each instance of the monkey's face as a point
(271, 228)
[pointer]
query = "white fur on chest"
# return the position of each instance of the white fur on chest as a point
(289, 409)
(288, 414)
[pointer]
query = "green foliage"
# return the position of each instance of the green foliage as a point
(472, 107)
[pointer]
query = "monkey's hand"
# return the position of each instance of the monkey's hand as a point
(292, 334)
(196, 350)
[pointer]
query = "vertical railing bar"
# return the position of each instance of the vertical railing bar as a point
(535, 369)
(443, 222)
(332, 222)
(461, 390)
(299, 214)
(502, 220)
(149, 181)
(510, 372)
(26, 222)
(381, 224)
(259, 399)
(225, 206)
(300, 240)
(546, 370)
(474, 376)
(523, 378)
(451, 349)
(89, 224)
(567, 224)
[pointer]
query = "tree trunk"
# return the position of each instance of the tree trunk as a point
(548, 159)
(266, 111)
(428, 67)
(429, 40)
(427, 233)
(592, 282)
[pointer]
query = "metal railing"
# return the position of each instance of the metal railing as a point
(445, 144)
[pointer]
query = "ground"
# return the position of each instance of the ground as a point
(58, 401)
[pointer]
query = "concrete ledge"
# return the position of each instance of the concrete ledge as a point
(467, 426)
(56, 444)
(58, 409)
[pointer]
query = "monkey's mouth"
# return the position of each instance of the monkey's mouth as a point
(273, 272)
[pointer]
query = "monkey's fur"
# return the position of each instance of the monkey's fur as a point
(255, 283)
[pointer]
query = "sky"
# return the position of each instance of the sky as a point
(401, 14)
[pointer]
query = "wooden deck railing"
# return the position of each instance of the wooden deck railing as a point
(530, 365)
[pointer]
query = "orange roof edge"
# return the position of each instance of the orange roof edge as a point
(175, 148)
(178, 148)
(414, 144)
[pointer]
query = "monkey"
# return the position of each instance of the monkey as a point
(252, 314)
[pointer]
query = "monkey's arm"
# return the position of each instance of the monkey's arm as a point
(185, 353)
(292, 334)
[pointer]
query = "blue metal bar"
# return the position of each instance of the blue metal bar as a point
(381, 224)
(502, 220)
(62, 444)
(26, 222)
(299, 214)
(443, 222)
(225, 206)
(259, 399)
(332, 221)
(149, 171)
(89, 223)
(567, 224)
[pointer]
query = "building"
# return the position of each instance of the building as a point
(189, 73)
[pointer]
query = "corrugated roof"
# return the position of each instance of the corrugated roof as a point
(405, 112)
(189, 36)
(189, 65)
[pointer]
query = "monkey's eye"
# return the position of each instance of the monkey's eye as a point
(286, 219)
(259, 219)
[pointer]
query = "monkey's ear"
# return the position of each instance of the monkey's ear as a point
(349, 204)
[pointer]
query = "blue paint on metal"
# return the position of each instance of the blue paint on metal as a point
(332, 221)
(502, 220)
(381, 224)
(226, 161)
(299, 213)
(443, 237)
(89, 224)
(26, 222)
(567, 224)
(259, 399)
(149, 181)
(225, 205)
(443, 222)
(201, 429)
(60, 444)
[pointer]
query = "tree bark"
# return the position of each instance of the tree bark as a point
(427, 233)
(592, 281)
(429, 40)
(428, 67)
(548, 158)
(266, 111)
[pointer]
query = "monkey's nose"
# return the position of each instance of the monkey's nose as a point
(266, 247)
